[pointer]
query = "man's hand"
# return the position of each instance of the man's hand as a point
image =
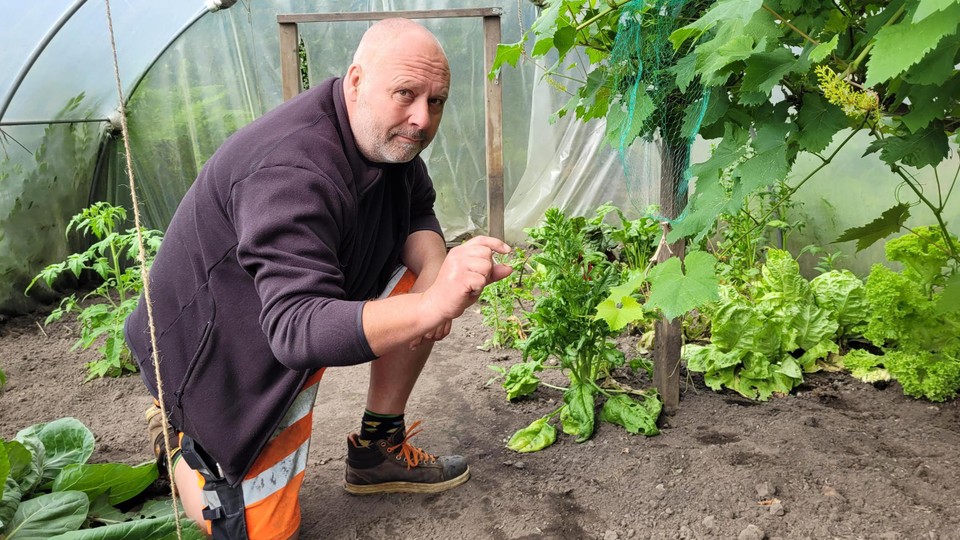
(437, 334)
(467, 269)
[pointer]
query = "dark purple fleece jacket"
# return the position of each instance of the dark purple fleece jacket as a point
(263, 271)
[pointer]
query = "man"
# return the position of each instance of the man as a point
(269, 273)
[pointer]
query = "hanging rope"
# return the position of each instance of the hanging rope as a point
(144, 271)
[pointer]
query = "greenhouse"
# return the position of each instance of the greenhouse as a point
(676, 269)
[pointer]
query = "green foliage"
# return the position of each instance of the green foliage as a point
(53, 175)
(950, 296)
(499, 302)
(887, 67)
(865, 366)
(760, 220)
(925, 374)
(633, 415)
(576, 265)
(843, 294)
(889, 222)
(920, 340)
(637, 239)
(575, 276)
(50, 492)
(110, 258)
(905, 305)
(521, 380)
(763, 344)
(923, 256)
(535, 437)
(675, 290)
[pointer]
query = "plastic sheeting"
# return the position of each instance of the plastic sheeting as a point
(224, 71)
(46, 169)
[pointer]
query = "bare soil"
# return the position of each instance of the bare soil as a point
(836, 459)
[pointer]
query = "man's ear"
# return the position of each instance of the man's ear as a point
(352, 82)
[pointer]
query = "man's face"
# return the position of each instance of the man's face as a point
(399, 103)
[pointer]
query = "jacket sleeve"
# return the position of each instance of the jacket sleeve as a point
(289, 223)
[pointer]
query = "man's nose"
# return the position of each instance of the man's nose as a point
(420, 115)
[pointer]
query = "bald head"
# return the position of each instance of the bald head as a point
(387, 36)
(395, 90)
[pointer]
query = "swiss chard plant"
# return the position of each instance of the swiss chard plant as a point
(49, 491)
(913, 319)
(575, 271)
(110, 259)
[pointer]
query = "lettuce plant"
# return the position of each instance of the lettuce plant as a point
(763, 343)
(919, 337)
(110, 258)
(48, 490)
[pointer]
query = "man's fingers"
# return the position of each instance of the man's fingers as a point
(489, 242)
(499, 272)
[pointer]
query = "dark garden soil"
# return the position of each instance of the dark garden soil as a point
(836, 459)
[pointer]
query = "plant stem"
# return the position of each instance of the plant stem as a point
(937, 212)
(839, 7)
(548, 385)
(863, 54)
(794, 189)
(116, 272)
(598, 16)
(788, 23)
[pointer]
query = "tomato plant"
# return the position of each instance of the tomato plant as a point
(110, 259)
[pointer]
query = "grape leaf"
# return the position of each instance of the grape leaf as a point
(674, 292)
(724, 10)
(928, 146)
(935, 68)
(619, 314)
(899, 46)
(509, 53)
(925, 107)
(819, 121)
(928, 7)
(824, 49)
(765, 70)
(888, 223)
(564, 39)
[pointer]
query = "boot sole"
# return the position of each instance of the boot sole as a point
(406, 487)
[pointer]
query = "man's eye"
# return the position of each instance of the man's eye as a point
(404, 93)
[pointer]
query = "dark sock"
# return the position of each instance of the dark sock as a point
(374, 427)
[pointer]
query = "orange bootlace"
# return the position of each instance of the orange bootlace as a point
(410, 453)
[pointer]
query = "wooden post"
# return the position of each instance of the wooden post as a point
(668, 334)
(494, 129)
(290, 60)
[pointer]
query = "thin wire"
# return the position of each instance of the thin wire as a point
(144, 271)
